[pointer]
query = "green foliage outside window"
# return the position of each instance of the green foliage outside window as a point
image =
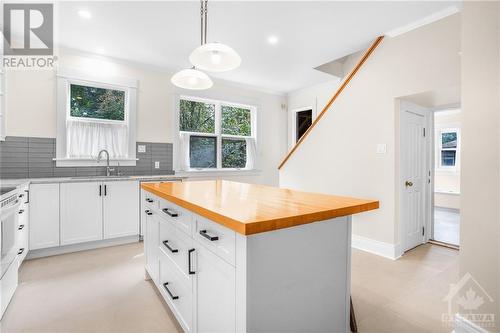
(236, 121)
(197, 117)
(234, 153)
(97, 103)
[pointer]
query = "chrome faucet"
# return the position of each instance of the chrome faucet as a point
(108, 169)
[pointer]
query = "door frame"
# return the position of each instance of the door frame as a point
(429, 184)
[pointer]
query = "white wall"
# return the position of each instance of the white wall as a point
(31, 106)
(480, 178)
(339, 156)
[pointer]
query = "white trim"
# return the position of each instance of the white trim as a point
(73, 74)
(386, 250)
(423, 21)
(463, 325)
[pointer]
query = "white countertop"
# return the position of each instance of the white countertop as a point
(21, 182)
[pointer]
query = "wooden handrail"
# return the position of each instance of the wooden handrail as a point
(334, 97)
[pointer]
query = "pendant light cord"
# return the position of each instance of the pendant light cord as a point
(204, 21)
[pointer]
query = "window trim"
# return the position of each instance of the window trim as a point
(67, 76)
(439, 149)
(217, 133)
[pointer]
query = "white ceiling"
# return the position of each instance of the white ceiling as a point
(310, 33)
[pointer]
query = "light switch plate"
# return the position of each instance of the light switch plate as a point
(381, 148)
(157, 164)
(141, 148)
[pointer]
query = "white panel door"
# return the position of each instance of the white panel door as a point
(215, 293)
(44, 216)
(121, 208)
(413, 173)
(81, 212)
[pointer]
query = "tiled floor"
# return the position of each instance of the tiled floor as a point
(447, 225)
(104, 291)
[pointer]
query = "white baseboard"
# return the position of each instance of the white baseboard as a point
(463, 325)
(386, 250)
(53, 251)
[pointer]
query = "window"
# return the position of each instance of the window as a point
(95, 114)
(447, 149)
(216, 135)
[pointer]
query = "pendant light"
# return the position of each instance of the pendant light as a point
(191, 79)
(213, 57)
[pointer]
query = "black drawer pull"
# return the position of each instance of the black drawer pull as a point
(21, 250)
(148, 212)
(165, 242)
(172, 296)
(149, 200)
(21, 211)
(21, 227)
(21, 195)
(207, 236)
(189, 261)
(169, 212)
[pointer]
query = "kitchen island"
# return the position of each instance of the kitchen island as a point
(235, 257)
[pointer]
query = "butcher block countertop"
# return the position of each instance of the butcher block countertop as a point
(250, 209)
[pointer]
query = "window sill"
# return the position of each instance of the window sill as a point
(87, 162)
(216, 173)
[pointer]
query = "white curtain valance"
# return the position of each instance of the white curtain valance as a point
(85, 139)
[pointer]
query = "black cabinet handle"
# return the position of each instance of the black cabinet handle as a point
(21, 250)
(21, 227)
(100, 190)
(172, 296)
(21, 195)
(148, 212)
(189, 261)
(207, 236)
(165, 242)
(21, 211)
(149, 200)
(105, 190)
(169, 212)
(28, 196)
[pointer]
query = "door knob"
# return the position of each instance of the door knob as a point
(408, 184)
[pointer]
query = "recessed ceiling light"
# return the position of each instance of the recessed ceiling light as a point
(272, 39)
(84, 14)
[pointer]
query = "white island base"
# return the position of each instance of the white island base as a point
(294, 279)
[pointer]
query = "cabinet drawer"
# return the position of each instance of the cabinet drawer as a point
(150, 200)
(179, 247)
(176, 292)
(180, 217)
(217, 238)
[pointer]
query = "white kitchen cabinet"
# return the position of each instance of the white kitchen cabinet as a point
(43, 216)
(81, 212)
(151, 243)
(23, 224)
(121, 209)
(215, 293)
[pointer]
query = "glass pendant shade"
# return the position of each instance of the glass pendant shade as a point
(215, 57)
(191, 79)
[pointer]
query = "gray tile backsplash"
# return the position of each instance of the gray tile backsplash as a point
(27, 157)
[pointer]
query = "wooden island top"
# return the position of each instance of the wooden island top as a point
(249, 209)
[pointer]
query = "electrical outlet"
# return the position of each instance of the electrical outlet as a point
(381, 148)
(157, 164)
(141, 148)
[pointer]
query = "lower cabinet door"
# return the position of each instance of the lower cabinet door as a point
(215, 293)
(121, 209)
(43, 216)
(151, 240)
(81, 212)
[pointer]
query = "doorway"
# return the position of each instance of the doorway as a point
(446, 190)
